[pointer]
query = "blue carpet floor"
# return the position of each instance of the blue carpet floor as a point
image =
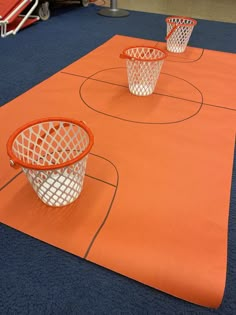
(36, 278)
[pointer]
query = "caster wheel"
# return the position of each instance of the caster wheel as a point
(43, 11)
(85, 3)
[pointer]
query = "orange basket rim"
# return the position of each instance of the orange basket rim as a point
(16, 162)
(124, 54)
(181, 17)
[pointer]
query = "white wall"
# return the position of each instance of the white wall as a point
(218, 10)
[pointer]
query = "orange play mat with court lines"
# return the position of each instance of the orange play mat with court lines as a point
(155, 201)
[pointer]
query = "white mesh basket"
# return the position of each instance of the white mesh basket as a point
(53, 154)
(143, 65)
(179, 30)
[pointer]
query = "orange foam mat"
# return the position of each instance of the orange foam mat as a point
(155, 202)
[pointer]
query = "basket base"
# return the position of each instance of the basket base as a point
(141, 89)
(178, 49)
(59, 190)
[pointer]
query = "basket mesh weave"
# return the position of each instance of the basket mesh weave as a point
(49, 144)
(178, 40)
(144, 69)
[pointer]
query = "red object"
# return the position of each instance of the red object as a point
(10, 15)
